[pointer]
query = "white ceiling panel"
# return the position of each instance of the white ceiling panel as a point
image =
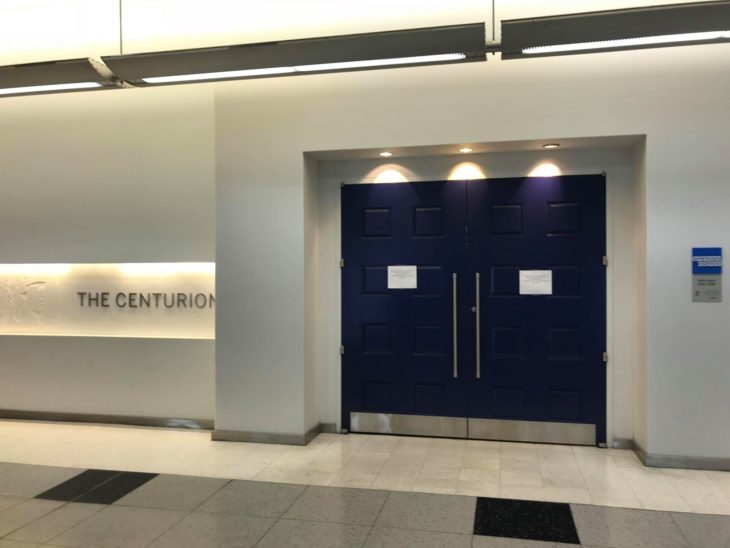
(43, 30)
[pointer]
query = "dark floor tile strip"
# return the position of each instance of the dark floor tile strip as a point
(116, 488)
(78, 485)
(525, 519)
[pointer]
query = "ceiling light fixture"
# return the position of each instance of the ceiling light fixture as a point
(322, 67)
(427, 46)
(551, 145)
(465, 150)
(629, 42)
(52, 77)
(23, 90)
(227, 75)
(617, 30)
(386, 154)
(402, 48)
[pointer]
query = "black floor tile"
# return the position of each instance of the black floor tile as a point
(78, 485)
(525, 519)
(116, 488)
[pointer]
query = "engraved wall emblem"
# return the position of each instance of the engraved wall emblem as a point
(23, 299)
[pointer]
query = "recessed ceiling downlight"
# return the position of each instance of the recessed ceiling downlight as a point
(551, 145)
(466, 150)
(386, 154)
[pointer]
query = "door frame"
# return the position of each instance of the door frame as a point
(609, 370)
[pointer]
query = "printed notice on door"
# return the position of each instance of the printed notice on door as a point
(402, 277)
(536, 282)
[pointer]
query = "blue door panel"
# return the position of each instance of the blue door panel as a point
(398, 342)
(541, 356)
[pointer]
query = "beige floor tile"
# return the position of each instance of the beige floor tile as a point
(279, 475)
(709, 505)
(478, 488)
(520, 465)
(475, 474)
(432, 485)
(394, 483)
(481, 463)
(450, 473)
(520, 479)
(567, 494)
(563, 481)
(353, 479)
(521, 492)
(608, 496)
(315, 477)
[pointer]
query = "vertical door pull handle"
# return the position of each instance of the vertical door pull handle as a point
(454, 313)
(478, 322)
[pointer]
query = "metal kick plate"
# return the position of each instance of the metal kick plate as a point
(480, 429)
(408, 425)
(532, 431)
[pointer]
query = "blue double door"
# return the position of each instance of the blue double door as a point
(500, 330)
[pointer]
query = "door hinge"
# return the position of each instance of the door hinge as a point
(342, 350)
(342, 263)
(605, 357)
(605, 260)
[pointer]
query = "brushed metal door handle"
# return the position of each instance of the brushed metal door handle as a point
(455, 321)
(478, 322)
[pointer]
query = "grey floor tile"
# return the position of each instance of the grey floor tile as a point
(338, 505)
(201, 530)
(401, 538)
(445, 513)
(28, 480)
(256, 499)
(173, 492)
(8, 502)
(119, 527)
(626, 528)
(294, 533)
(56, 522)
(22, 514)
(704, 531)
(501, 542)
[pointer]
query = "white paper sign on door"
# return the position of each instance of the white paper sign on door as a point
(536, 282)
(402, 277)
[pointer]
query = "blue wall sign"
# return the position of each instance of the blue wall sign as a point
(706, 260)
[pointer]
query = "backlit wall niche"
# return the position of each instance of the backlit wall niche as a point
(145, 300)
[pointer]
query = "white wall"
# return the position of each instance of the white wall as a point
(675, 96)
(627, 93)
(118, 176)
(687, 343)
(312, 324)
(640, 259)
(161, 378)
(621, 299)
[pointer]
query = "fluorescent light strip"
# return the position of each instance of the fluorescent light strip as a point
(382, 62)
(629, 42)
(305, 68)
(218, 75)
(49, 87)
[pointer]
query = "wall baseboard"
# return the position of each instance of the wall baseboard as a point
(622, 443)
(272, 437)
(90, 418)
(678, 461)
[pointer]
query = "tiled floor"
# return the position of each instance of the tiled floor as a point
(583, 475)
(170, 511)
